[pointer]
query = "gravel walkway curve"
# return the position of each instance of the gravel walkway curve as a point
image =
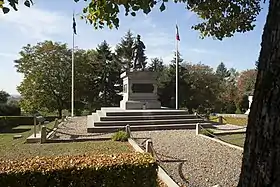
(76, 128)
(194, 161)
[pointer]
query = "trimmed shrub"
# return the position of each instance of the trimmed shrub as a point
(22, 120)
(125, 170)
(120, 136)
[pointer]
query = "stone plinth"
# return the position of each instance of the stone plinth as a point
(250, 98)
(139, 90)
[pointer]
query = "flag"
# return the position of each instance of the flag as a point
(177, 33)
(74, 25)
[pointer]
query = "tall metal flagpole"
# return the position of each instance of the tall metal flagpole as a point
(177, 70)
(72, 94)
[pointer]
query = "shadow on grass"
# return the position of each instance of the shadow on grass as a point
(13, 130)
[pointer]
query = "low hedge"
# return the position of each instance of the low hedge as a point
(21, 120)
(125, 170)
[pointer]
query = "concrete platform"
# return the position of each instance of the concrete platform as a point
(32, 139)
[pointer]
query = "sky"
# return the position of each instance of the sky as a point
(52, 20)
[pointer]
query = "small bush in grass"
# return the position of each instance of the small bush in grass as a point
(207, 132)
(120, 136)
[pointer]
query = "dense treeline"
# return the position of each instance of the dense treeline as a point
(8, 107)
(47, 80)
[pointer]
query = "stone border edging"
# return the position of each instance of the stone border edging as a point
(161, 173)
(76, 140)
(222, 142)
(229, 132)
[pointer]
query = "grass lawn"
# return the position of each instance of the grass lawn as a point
(15, 149)
(231, 120)
(235, 139)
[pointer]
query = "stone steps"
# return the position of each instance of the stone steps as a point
(146, 112)
(151, 117)
(149, 122)
(114, 119)
(107, 129)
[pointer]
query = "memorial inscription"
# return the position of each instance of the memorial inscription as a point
(142, 88)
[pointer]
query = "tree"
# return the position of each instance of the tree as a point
(47, 76)
(246, 81)
(109, 75)
(245, 87)
(8, 108)
(87, 79)
(261, 166)
(156, 65)
(166, 82)
(220, 19)
(222, 71)
(4, 96)
(124, 51)
(203, 85)
(227, 89)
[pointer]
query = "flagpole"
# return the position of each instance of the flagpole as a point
(72, 94)
(177, 72)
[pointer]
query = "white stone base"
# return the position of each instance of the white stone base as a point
(250, 98)
(33, 139)
(247, 112)
(140, 105)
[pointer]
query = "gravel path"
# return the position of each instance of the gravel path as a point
(194, 161)
(191, 160)
(76, 128)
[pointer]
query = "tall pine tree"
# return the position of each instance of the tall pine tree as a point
(222, 71)
(167, 83)
(124, 51)
(109, 75)
(156, 65)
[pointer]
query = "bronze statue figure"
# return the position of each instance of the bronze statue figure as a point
(138, 54)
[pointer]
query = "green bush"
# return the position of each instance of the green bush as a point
(120, 136)
(238, 111)
(125, 170)
(22, 120)
(86, 112)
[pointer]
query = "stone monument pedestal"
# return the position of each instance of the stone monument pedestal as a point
(250, 98)
(139, 91)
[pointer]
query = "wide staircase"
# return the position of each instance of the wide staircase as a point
(115, 119)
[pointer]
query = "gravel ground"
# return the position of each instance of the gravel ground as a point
(191, 160)
(76, 128)
(194, 161)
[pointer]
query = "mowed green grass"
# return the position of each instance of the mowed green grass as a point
(231, 120)
(235, 139)
(17, 148)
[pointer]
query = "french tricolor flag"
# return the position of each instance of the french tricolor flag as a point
(177, 33)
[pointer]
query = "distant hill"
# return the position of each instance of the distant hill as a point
(15, 97)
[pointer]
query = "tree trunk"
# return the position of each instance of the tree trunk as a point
(261, 157)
